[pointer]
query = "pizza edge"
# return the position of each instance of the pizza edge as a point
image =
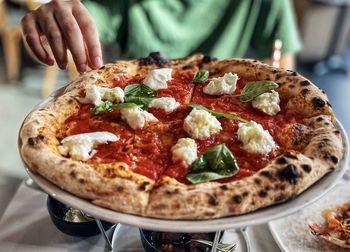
(284, 178)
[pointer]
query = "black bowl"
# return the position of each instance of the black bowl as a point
(151, 241)
(57, 211)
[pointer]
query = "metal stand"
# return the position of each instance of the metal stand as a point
(216, 241)
(104, 234)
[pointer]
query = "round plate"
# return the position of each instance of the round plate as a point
(264, 215)
(293, 234)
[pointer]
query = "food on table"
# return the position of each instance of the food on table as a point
(75, 215)
(337, 225)
(190, 138)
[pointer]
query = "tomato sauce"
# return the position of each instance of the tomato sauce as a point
(148, 151)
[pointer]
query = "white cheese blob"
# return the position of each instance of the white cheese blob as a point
(268, 103)
(254, 138)
(157, 78)
(184, 151)
(200, 124)
(222, 85)
(168, 104)
(136, 118)
(95, 95)
(80, 146)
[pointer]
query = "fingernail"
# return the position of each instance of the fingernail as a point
(63, 66)
(97, 61)
(82, 67)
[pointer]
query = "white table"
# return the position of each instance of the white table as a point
(26, 226)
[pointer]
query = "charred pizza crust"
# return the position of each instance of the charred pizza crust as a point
(316, 149)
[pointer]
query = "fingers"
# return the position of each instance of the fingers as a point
(90, 35)
(54, 37)
(31, 34)
(72, 35)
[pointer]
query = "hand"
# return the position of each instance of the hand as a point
(60, 25)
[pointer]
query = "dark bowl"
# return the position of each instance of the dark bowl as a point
(57, 211)
(151, 241)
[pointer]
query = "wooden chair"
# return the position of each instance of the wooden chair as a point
(11, 38)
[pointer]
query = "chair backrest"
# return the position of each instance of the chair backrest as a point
(3, 14)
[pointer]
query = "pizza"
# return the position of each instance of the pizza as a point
(337, 225)
(189, 138)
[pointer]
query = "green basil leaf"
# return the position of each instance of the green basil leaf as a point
(216, 163)
(217, 114)
(201, 76)
(108, 106)
(255, 88)
(139, 94)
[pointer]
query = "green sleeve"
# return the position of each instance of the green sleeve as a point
(107, 16)
(275, 21)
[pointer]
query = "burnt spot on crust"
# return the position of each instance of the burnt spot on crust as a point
(257, 181)
(237, 199)
(291, 86)
(282, 160)
(332, 168)
(307, 168)
(224, 187)
(337, 132)
(154, 58)
(319, 119)
(81, 181)
(281, 197)
(290, 155)
(212, 200)
(119, 189)
(102, 67)
(245, 194)
(143, 186)
(208, 58)
(262, 194)
(32, 141)
(73, 174)
(266, 174)
(318, 102)
(334, 159)
(290, 173)
(305, 91)
(278, 76)
(305, 83)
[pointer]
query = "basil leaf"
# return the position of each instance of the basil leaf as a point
(201, 76)
(255, 88)
(217, 114)
(216, 163)
(139, 94)
(108, 106)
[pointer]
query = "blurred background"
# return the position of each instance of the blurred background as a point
(324, 27)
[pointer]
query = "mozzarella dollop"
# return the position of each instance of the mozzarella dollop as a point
(184, 151)
(168, 104)
(200, 124)
(136, 118)
(95, 95)
(80, 146)
(222, 85)
(268, 103)
(254, 138)
(158, 78)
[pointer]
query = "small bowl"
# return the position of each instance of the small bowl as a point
(151, 244)
(57, 212)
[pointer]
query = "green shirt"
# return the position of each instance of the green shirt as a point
(177, 28)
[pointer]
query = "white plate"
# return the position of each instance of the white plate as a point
(127, 238)
(292, 233)
(264, 215)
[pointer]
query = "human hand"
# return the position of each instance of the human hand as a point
(60, 25)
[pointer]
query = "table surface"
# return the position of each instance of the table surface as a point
(26, 226)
